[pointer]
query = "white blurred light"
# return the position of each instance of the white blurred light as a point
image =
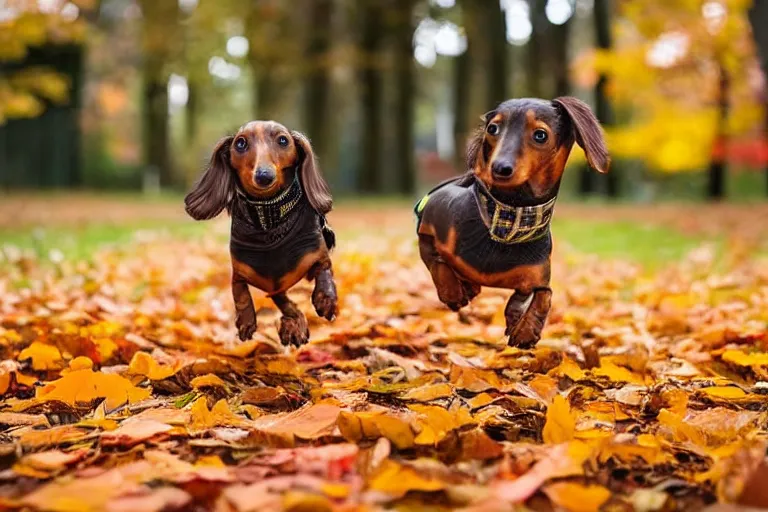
(188, 5)
(559, 11)
(48, 6)
(433, 38)
(519, 26)
(668, 49)
(70, 12)
(425, 55)
(237, 46)
(714, 16)
(449, 40)
(220, 68)
(178, 91)
(8, 13)
(444, 4)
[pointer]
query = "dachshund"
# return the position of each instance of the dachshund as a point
(267, 179)
(490, 227)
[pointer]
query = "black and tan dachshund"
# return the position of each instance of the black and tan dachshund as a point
(267, 179)
(490, 227)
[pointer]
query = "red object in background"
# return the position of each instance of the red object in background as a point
(749, 153)
(435, 169)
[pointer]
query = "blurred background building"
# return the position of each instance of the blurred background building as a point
(132, 94)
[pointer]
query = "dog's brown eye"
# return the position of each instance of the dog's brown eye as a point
(282, 140)
(540, 136)
(492, 129)
(241, 144)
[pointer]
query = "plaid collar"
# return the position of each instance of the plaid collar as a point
(513, 224)
(269, 213)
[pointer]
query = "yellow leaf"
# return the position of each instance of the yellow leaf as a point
(740, 358)
(397, 479)
(372, 425)
(209, 380)
(727, 392)
(617, 373)
(429, 392)
(576, 497)
(144, 364)
(434, 423)
(84, 386)
(44, 357)
(560, 424)
(568, 368)
(219, 416)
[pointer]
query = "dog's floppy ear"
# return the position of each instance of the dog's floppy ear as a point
(315, 187)
(475, 142)
(587, 130)
(215, 189)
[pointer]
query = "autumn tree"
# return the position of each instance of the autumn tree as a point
(758, 17)
(680, 70)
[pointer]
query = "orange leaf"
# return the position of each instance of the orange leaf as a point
(560, 424)
(44, 357)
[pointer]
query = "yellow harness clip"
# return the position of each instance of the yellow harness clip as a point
(422, 204)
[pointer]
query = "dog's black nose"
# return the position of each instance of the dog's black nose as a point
(264, 176)
(502, 169)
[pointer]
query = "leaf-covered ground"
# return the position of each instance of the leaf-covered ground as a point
(124, 389)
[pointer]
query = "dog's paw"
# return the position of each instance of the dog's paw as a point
(246, 330)
(294, 330)
(526, 333)
(325, 303)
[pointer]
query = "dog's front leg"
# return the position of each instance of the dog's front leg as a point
(526, 314)
(293, 325)
(324, 296)
(245, 314)
(452, 291)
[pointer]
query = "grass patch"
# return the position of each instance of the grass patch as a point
(646, 244)
(649, 245)
(81, 242)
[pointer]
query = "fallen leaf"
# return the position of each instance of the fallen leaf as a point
(560, 423)
(44, 357)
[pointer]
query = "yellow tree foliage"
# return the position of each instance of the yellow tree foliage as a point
(664, 73)
(23, 92)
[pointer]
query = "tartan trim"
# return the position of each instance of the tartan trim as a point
(514, 224)
(271, 212)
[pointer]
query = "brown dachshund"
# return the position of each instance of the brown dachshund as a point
(490, 227)
(267, 179)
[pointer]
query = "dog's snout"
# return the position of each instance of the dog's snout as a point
(502, 168)
(264, 176)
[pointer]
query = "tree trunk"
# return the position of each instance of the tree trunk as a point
(160, 35)
(717, 166)
(318, 121)
(481, 72)
(371, 95)
(496, 32)
(758, 17)
(560, 39)
(405, 96)
(192, 113)
(461, 85)
(270, 54)
(535, 47)
(603, 109)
